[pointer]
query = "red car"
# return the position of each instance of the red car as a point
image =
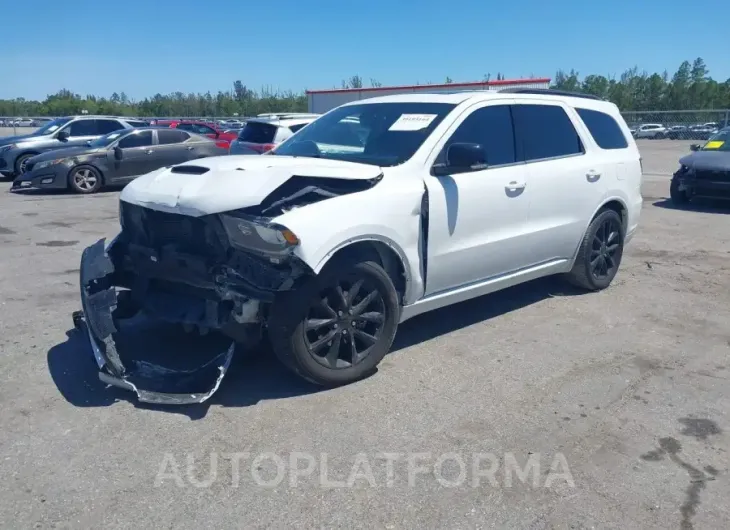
(199, 127)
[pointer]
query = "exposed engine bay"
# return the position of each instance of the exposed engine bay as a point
(212, 273)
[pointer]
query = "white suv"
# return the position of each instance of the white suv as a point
(263, 133)
(377, 211)
(654, 131)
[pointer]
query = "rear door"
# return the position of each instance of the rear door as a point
(174, 147)
(137, 156)
(565, 175)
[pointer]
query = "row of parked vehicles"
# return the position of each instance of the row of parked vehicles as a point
(85, 153)
(658, 131)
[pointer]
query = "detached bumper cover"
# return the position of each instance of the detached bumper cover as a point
(99, 301)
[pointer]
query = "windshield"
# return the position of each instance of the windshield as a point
(381, 134)
(106, 140)
(52, 126)
(718, 142)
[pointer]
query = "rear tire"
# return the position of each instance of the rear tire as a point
(85, 180)
(335, 328)
(679, 197)
(600, 252)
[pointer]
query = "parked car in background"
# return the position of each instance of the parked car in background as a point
(199, 127)
(703, 132)
(62, 132)
(115, 159)
(705, 172)
(23, 122)
(260, 135)
(655, 131)
(678, 132)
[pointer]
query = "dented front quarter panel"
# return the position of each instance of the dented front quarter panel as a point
(389, 213)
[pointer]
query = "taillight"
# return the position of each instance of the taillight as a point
(222, 145)
(265, 147)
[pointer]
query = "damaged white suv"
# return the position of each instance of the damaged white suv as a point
(377, 211)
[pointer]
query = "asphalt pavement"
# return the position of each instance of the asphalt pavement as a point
(537, 407)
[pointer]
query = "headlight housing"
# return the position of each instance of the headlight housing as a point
(251, 233)
(48, 163)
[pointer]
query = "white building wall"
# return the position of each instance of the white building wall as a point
(320, 102)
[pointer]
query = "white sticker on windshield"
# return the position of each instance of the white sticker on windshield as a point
(52, 128)
(412, 122)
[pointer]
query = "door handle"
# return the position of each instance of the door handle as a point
(149, 151)
(514, 185)
(593, 176)
(190, 148)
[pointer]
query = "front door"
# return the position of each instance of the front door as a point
(138, 156)
(477, 217)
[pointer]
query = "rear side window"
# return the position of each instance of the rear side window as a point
(544, 131)
(604, 129)
(138, 139)
(171, 136)
(295, 128)
(256, 132)
(135, 123)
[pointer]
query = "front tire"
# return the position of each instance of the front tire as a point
(600, 252)
(84, 179)
(335, 328)
(679, 197)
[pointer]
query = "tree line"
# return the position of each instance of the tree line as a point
(690, 88)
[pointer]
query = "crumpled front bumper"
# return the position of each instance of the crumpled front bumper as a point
(99, 301)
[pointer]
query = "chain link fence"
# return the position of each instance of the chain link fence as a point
(677, 124)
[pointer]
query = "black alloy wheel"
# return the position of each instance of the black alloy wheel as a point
(600, 252)
(345, 323)
(604, 247)
(334, 328)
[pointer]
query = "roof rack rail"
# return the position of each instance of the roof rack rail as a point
(549, 91)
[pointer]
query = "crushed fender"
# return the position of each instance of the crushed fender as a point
(151, 382)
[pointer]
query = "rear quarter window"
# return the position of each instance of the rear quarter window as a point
(258, 133)
(604, 129)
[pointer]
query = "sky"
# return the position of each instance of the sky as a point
(143, 47)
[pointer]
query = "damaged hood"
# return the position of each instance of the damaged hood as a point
(224, 183)
(707, 160)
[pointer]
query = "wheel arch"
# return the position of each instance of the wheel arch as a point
(615, 203)
(383, 251)
(31, 152)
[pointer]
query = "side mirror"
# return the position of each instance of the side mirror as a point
(695, 147)
(460, 158)
(62, 136)
(118, 153)
(217, 134)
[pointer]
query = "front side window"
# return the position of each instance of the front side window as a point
(82, 128)
(382, 134)
(604, 129)
(136, 139)
(491, 129)
(544, 131)
(107, 126)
